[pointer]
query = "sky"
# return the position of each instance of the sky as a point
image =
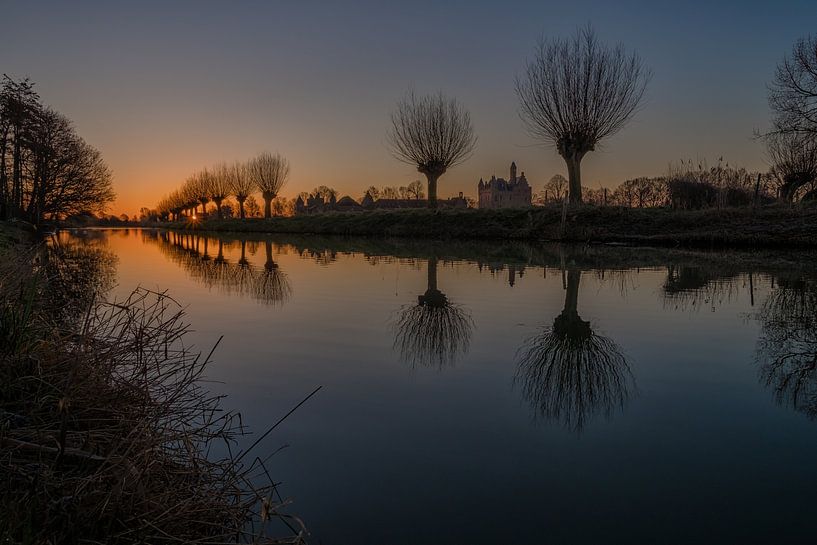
(163, 89)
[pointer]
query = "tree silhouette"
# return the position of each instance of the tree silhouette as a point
(569, 373)
(794, 162)
(576, 92)
(793, 93)
(435, 331)
(415, 190)
(47, 171)
(220, 185)
(241, 185)
(432, 133)
(269, 172)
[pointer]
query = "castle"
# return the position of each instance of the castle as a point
(501, 193)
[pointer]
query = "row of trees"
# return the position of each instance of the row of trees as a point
(414, 190)
(687, 185)
(47, 171)
(267, 173)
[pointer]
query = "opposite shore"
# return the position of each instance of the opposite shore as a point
(768, 227)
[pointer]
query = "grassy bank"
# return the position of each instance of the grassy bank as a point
(107, 433)
(739, 227)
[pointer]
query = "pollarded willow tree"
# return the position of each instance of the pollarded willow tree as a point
(220, 185)
(794, 163)
(269, 172)
(577, 92)
(432, 133)
(201, 186)
(241, 185)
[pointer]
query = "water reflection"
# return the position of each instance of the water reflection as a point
(787, 348)
(569, 373)
(77, 272)
(435, 331)
(268, 284)
(693, 369)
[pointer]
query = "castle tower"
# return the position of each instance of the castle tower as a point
(513, 172)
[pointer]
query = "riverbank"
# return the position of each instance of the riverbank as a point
(773, 226)
(106, 432)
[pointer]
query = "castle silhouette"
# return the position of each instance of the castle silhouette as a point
(501, 193)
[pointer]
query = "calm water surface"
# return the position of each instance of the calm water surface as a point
(505, 393)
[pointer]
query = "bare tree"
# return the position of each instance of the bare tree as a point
(794, 162)
(576, 92)
(325, 192)
(556, 188)
(415, 190)
(65, 175)
(374, 192)
(220, 185)
(793, 93)
(202, 187)
(253, 210)
(433, 133)
(241, 185)
(269, 172)
(389, 192)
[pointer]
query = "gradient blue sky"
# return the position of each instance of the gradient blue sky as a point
(165, 88)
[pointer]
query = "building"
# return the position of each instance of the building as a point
(501, 193)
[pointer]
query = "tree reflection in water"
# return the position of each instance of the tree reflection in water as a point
(268, 284)
(78, 271)
(435, 331)
(569, 373)
(787, 348)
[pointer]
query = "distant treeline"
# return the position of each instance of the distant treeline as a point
(47, 171)
(687, 186)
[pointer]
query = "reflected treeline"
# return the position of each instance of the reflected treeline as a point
(694, 278)
(705, 285)
(435, 331)
(203, 258)
(77, 272)
(569, 373)
(787, 348)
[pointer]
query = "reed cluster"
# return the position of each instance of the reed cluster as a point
(108, 433)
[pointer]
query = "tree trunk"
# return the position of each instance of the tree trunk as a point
(240, 206)
(432, 274)
(432, 190)
(268, 203)
(574, 174)
(218, 207)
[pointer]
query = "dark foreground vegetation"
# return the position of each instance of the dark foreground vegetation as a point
(746, 227)
(107, 434)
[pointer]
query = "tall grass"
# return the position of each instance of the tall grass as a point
(108, 433)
